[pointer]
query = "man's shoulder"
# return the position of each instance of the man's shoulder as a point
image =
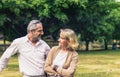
(20, 39)
(43, 42)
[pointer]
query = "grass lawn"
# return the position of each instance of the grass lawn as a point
(99, 64)
(91, 64)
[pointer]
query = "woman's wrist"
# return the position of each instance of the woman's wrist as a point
(55, 67)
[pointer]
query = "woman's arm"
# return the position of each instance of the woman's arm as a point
(48, 64)
(72, 67)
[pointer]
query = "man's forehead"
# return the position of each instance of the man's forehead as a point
(39, 26)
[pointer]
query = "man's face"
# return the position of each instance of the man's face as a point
(36, 34)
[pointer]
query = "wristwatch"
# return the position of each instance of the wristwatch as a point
(55, 67)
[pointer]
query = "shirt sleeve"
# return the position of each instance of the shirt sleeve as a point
(47, 49)
(11, 50)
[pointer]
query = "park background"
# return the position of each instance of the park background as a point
(96, 22)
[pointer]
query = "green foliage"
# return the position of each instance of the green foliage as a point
(90, 18)
(2, 19)
(114, 19)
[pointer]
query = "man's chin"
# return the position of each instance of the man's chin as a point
(39, 37)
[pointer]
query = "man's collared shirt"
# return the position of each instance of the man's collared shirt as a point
(31, 58)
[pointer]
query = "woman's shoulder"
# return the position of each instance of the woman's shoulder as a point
(73, 52)
(55, 47)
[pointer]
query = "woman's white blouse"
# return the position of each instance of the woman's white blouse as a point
(60, 59)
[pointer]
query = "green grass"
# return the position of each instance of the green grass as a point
(98, 64)
(11, 69)
(91, 64)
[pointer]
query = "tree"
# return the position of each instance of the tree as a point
(93, 22)
(90, 18)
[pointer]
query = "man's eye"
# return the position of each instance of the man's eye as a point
(40, 31)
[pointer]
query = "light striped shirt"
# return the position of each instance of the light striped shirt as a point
(31, 58)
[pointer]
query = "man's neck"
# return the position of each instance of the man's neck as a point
(32, 41)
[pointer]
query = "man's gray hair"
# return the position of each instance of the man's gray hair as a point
(32, 25)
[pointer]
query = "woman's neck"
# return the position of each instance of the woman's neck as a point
(63, 49)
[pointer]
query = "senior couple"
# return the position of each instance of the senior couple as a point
(35, 57)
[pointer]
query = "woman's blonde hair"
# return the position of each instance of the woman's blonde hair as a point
(70, 35)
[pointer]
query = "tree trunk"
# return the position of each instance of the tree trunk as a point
(4, 42)
(87, 45)
(105, 43)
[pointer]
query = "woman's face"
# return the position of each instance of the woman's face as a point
(62, 41)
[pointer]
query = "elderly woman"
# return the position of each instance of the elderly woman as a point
(62, 59)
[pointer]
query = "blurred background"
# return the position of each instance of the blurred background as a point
(96, 23)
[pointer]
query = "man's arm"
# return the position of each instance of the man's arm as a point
(11, 50)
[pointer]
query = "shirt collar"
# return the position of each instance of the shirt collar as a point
(27, 40)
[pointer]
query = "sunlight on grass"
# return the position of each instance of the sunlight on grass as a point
(12, 68)
(1, 42)
(91, 64)
(98, 64)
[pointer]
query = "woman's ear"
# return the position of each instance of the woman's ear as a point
(68, 41)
